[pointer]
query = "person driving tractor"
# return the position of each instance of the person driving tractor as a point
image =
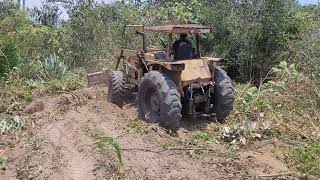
(182, 48)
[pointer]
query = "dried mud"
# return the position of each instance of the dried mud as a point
(58, 142)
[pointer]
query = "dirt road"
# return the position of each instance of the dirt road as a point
(59, 142)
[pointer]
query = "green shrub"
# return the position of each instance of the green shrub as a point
(17, 90)
(202, 137)
(306, 158)
(290, 101)
(9, 57)
(13, 92)
(52, 68)
(109, 142)
(305, 51)
(69, 82)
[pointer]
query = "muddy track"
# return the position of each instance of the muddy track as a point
(59, 143)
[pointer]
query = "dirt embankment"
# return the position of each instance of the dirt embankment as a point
(58, 142)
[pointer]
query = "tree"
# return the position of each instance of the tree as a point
(47, 15)
(7, 8)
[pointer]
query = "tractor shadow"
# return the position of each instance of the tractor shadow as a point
(199, 123)
(196, 124)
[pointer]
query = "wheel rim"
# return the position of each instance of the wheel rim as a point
(151, 104)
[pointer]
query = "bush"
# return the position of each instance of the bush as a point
(71, 81)
(39, 42)
(17, 90)
(290, 101)
(14, 92)
(52, 68)
(306, 53)
(306, 158)
(9, 57)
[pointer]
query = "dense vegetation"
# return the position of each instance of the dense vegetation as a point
(41, 53)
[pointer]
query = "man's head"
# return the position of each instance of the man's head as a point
(183, 36)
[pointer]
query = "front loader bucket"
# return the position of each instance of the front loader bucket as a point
(97, 78)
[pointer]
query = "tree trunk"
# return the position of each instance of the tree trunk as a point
(23, 4)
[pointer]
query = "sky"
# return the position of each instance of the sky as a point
(36, 3)
(309, 1)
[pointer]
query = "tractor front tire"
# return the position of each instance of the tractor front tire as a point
(159, 101)
(116, 88)
(224, 96)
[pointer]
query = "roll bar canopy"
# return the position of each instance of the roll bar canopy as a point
(178, 29)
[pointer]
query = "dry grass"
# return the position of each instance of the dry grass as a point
(290, 105)
(306, 158)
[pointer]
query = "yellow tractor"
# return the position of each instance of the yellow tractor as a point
(169, 86)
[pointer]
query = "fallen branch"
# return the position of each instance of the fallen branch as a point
(3, 151)
(168, 149)
(276, 175)
(76, 97)
(288, 126)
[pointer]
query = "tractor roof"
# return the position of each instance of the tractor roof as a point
(181, 29)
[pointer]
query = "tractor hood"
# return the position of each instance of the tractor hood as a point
(193, 71)
(196, 71)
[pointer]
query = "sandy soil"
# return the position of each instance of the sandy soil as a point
(58, 142)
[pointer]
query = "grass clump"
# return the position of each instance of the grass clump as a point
(107, 142)
(306, 158)
(3, 162)
(167, 145)
(202, 137)
(139, 127)
(70, 82)
(52, 68)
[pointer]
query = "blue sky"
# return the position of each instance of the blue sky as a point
(309, 1)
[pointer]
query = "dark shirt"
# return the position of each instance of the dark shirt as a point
(182, 49)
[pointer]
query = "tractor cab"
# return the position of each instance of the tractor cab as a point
(168, 54)
(138, 62)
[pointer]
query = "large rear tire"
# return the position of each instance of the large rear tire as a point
(116, 88)
(159, 100)
(224, 96)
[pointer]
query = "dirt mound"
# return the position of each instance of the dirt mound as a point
(60, 143)
(34, 107)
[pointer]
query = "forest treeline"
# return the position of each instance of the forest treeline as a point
(255, 35)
